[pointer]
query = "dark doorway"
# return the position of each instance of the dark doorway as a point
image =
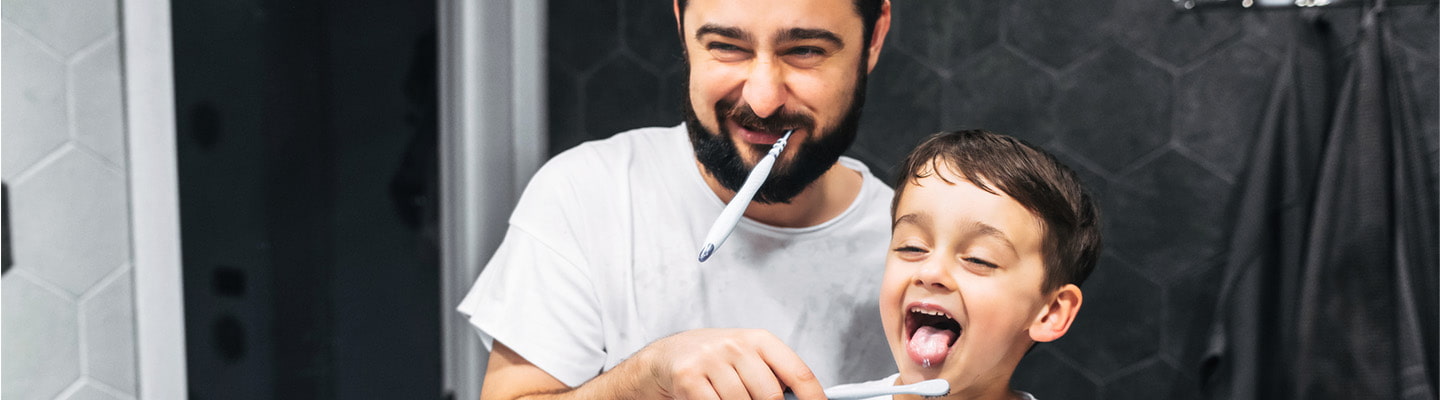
(307, 187)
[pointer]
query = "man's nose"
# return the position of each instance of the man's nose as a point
(765, 89)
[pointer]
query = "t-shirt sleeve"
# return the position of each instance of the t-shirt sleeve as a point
(536, 294)
(541, 306)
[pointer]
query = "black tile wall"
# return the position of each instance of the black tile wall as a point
(1053, 376)
(1121, 315)
(1154, 108)
(1057, 33)
(1153, 379)
(912, 95)
(1117, 108)
(1240, 71)
(999, 90)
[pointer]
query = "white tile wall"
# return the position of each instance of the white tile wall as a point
(34, 100)
(70, 220)
(66, 25)
(94, 86)
(41, 346)
(107, 321)
(68, 303)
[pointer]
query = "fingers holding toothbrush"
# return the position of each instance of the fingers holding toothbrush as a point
(729, 364)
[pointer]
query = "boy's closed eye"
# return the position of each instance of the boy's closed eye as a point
(909, 249)
(981, 262)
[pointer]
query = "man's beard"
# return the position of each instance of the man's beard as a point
(812, 157)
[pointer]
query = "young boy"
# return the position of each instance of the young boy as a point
(990, 239)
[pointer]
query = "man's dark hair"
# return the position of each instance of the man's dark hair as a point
(869, 11)
(1032, 177)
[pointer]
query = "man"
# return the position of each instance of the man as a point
(596, 291)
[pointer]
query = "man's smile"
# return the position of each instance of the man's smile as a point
(759, 135)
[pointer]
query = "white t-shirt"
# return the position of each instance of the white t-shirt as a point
(600, 259)
(890, 381)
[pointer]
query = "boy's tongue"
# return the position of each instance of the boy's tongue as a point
(929, 345)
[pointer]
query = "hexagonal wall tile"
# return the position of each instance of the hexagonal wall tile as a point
(99, 119)
(41, 348)
(889, 129)
(1047, 376)
(1170, 217)
(1115, 292)
(34, 101)
(1003, 93)
(1121, 105)
(1178, 37)
(944, 33)
(1057, 32)
(71, 221)
(109, 335)
(1155, 380)
(1234, 83)
(65, 25)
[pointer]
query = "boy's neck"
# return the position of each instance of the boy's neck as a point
(823, 200)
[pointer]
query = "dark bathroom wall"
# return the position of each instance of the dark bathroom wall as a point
(307, 222)
(1155, 108)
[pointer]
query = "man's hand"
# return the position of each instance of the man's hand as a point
(702, 364)
(728, 364)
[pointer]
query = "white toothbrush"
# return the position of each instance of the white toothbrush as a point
(730, 216)
(930, 388)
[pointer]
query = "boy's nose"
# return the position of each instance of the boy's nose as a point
(765, 89)
(933, 274)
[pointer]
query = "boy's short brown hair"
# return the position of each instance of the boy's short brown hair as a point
(1034, 178)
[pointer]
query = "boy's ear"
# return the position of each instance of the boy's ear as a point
(1055, 318)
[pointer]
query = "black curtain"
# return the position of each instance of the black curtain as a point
(1330, 278)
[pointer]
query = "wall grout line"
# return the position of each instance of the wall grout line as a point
(50, 156)
(35, 39)
(93, 47)
(19, 270)
(109, 278)
(110, 390)
(71, 389)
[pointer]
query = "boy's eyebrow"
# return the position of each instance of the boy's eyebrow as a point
(797, 34)
(987, 230)
(726, 31)
(921, 220)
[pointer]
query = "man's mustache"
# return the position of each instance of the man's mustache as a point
(781, 121)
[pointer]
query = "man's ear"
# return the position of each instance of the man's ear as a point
(877, 38)
(1055, 318)
(679, 27)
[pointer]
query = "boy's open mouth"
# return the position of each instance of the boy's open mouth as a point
(931, 331)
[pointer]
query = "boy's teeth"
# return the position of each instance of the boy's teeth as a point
(929, 312)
